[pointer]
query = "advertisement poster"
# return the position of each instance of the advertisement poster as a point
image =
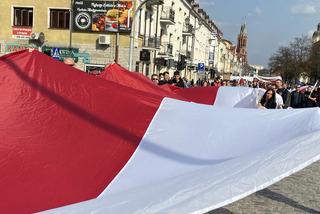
(102, 16)
(21, 32)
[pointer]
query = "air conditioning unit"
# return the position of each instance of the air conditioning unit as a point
(104, 40)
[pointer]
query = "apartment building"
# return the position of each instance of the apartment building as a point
(186, 35)
(84, 31)
(93, 33)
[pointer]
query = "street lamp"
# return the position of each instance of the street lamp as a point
(151, 3)
(200, 22)
(194, 37)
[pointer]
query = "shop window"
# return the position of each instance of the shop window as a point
(93, 69)
(23, 16)
(59, 18)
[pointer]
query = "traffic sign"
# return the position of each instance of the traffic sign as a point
(55, 53)
(201, 67)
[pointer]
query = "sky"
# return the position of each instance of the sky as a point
(270, 23)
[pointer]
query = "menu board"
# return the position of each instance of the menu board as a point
(102, 16)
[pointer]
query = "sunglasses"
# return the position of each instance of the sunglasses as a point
(154, 79)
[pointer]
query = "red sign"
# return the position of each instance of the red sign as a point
(14, 47)
(21, 32)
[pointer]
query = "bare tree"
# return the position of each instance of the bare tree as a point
(292, 61)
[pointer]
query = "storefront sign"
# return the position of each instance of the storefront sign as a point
(61, 53)
(14, 47)
(102, 16)
(85, 57)
(21, 32)
(55, 53)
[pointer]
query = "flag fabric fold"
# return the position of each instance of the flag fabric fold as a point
(64, 134)
(208, 158)
(102, 146)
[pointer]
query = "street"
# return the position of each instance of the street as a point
(299, 193)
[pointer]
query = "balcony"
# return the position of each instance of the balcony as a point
(151, 42)
(167, 16)
(166, 49)
(187, 30)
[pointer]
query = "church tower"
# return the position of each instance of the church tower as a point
(242, 45)
(315, 55)
(316, 35)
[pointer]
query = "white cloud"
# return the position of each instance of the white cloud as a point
(257, 11)
(308, 8)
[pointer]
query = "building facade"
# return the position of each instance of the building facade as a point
(177, 35)
(60, 30)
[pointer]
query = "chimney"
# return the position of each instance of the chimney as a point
(196, 7)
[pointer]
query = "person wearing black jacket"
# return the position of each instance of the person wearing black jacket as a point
(309, 99)
(166, 79)
(297, 98)
(177, 80)
(284, 93)
(318, 97)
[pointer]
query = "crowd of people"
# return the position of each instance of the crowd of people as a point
(293, 96)
(277, 95)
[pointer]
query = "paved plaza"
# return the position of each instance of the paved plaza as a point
(299, 193)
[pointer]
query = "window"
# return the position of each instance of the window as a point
(140, 21)
(147, 69)
(145, 23)
(23, 16)
(184, 39)
(161, 35)
(150, 23)
(137, 66)
(59, 18)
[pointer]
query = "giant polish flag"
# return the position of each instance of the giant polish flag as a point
(240, 97)
(74, 143)
(120, 75)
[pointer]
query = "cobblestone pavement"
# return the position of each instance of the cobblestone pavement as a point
(299, 193)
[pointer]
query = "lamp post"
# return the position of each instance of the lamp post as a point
(71, 24)
(152, 2)
(194, 40)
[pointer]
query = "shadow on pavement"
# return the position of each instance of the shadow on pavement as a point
(283, 199)
(220, 211)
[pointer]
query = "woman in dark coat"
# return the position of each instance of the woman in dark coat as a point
(268, 101)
